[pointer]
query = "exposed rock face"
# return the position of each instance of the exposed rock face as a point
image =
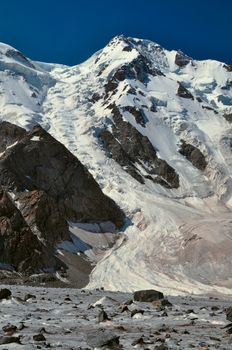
(194, 155)
(138, 114)
(43, 216)
(138, 69)
(18, 56)
(18, 245)
(181, 59)
(184, 93)
(43, 185)
(228, 117)
(38, 161)
(128, 147)
(9, 134)
(228, 67)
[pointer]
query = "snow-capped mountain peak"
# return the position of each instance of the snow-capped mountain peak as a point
(153, 128)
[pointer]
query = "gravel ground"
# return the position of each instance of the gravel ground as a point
(74, 319)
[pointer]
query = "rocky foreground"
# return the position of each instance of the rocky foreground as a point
(39, 318)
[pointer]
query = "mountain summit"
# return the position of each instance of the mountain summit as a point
(153, 128)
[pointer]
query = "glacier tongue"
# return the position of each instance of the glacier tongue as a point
(176, 239)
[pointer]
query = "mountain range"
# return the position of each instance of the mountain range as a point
(116, 172)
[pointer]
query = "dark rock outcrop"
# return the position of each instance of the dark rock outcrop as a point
(39, 162)
(227, 86)
(127, 146)
(19, 247)
(184, 93)
(181, 59)
(48, 186)
(9, 134)
(43, 216)
(228, 117)
(208, 108)
(137, 113)
(139, 69)
(148, 296)
(228, 67)
(127, 48)
(194, 155)
(18, 56)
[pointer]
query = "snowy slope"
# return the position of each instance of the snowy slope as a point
(176, 239)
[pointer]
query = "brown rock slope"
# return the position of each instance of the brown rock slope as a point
(42, 186)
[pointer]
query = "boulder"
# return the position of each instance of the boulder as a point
(39, 337)
(148, 296)
(5, 293)
(9, 340)
(97, 338)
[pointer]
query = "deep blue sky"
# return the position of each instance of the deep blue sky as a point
(69, 31)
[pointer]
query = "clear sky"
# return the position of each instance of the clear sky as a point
(69, 31)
